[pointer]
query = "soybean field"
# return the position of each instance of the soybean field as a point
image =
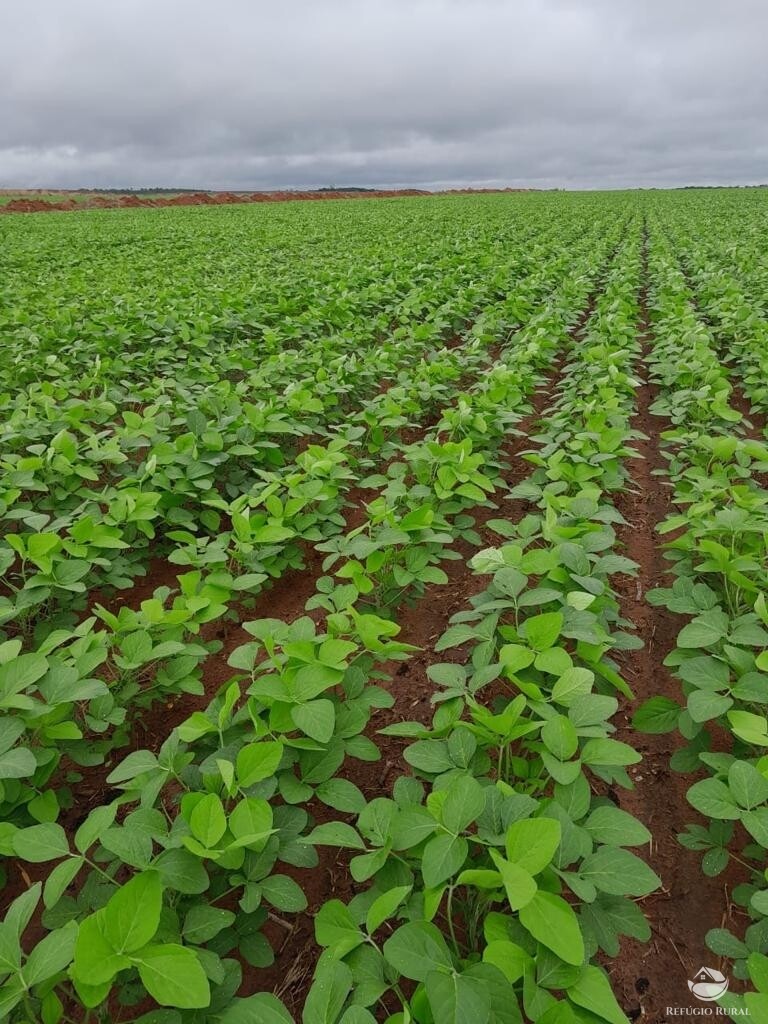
(383, 612)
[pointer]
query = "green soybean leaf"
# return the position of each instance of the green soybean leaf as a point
(714, 799)
(97, 822)
(317, 719)
(519, 885)
(756, 823)
(593, 992)
(208, 822)
(574, 682)
(342, 795)
(18, 763)
(541, 631)
(457, 999)
(40, 843)
(203, 922)
(384, 906)
(747, 784)
(59, 879)
(614, 827)
(553, 923)
(560, 738)
(258, 761)
(464, 803)
(174, 976)
(656, 716)
(618, 872)
(251, 821)
(416, 949)
(705, 630)
(444, 856)
(283, 893)
(334, 833)
(51, 955)
(328, 994)
(132, 915)
(96, 961)
(609, 753)
(511, 959)
(137, 763)
(262, 1008)
(336, 928)
(532, 843)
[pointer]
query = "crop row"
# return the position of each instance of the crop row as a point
(718, 563)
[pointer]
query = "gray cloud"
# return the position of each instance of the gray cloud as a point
(245, 94)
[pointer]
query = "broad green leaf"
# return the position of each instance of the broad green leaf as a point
(705, 630)
(328, 994)
(560, 738)
(40, 843)
(384, 906)
(416, 949)
(132, 916)
(593, 992)
(258, 761)
(714, 799)
(316, 719)
(749, 727)
(532, 843)
(608, 753)
(18, 763)
(335, 927)
(444, 856)
(457, 999)
(747, 784)
(542, 631)
(203, 921)
(334, 833)
(208, 822)
(574, 682)
(173, 976)
(52, 954)
(756, 823)
(283, 893)
(96, 961)
(553, 923)
(262, 1008)
(342, 795)
(130, 767)
(251, 821)
(464, 803)
(657, 715)
(618, 872)
(97, 822)
(614, 827)
(704, 705)
(20, 673)
(511, 959)
(59, 879)
(519, 885)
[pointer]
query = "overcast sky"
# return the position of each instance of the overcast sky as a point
(431, 93)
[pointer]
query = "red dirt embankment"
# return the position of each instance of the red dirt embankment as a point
(29, 205)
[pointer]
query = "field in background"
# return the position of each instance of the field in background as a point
(383, 624)
(40, 201)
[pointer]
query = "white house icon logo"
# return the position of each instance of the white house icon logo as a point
(708, 984)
